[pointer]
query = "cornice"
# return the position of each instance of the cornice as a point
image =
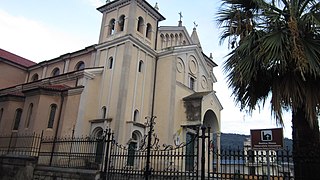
(10, 97)
(112, 5)
(124, 39)
(142, 3)
(74, 91)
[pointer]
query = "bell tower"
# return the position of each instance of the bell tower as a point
(127, 52)
(136, 18)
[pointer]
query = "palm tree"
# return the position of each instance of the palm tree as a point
(276, 53)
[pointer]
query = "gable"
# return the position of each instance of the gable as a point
(190, 63)
(170, 36)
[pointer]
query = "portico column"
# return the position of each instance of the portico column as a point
(218, 151)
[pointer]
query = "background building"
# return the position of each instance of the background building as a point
(136, 70)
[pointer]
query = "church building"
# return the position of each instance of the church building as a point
(136, 71)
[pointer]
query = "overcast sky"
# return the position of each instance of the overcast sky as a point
(44, 29)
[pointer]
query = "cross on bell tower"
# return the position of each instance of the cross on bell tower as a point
(180, 21)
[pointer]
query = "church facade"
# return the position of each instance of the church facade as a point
(136, 70)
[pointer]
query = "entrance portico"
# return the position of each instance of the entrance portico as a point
(203, 109)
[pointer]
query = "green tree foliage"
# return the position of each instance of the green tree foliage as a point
(276, 52)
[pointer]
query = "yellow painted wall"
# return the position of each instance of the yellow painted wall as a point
(11, 76)
(8, 115)
(86, 58)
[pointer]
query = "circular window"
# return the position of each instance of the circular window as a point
(204, 83)
(192, 65)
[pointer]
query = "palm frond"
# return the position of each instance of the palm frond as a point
(279, 55)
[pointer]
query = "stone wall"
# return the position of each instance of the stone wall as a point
(54, 173)
(25, 168)
(17, 167)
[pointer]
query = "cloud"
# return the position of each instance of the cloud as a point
(24, 37)
(96, 3)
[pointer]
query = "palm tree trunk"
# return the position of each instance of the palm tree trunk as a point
(306, 154)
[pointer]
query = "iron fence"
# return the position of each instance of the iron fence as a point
(70, 152)
(148, 159)
(20, 144)
(195, 159)
(167, 163)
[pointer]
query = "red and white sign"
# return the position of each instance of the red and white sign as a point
(267, 138)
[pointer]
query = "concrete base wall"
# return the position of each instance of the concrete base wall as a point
(25, 168)
(17, 167)
(54, 173)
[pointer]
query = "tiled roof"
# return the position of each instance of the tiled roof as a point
(197, 95)
(16, 59)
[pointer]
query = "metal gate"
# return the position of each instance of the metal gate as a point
(152, 161)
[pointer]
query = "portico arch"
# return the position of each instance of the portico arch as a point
(210, 120)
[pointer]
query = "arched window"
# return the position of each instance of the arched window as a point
(80, 65)
(133, 145)
(171, 40)
(111, 26)
(136, 116)
(180, 39)
(35, 77)
(121, 22)
(17, 118)
(167, 40)
(1, 113)
(110, 62)
(29, 115)
(98, 135)
(103, 112)
(191, 83)
(176, 39)
(55, 72)
(163, 40)
(140, 68)
(149, 31)
(53, 109)
(140, 24)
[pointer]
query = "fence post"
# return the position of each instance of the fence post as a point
(72, 139)
(40, 143)
(52, 150)
(208, 149)
(150, 124)
(32, 147)
(106, 156)
(198, 148)
(203, 156)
